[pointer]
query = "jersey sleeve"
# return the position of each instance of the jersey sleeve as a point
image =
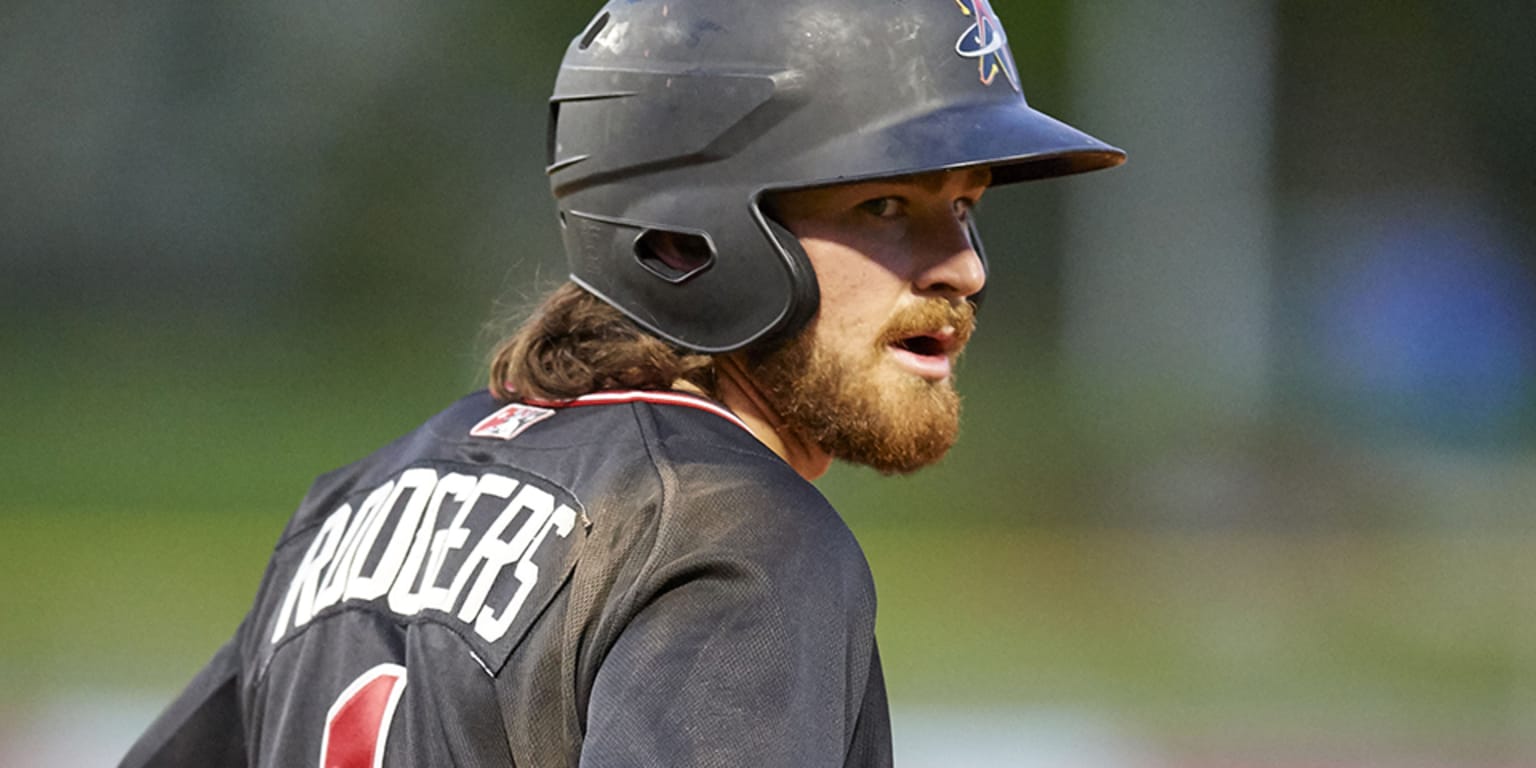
(202, 727)
(752, 644)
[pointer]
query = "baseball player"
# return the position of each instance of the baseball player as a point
(614, 555)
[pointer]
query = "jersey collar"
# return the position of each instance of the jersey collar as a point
(655, 397)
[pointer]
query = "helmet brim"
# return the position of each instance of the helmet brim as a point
(1017, 142)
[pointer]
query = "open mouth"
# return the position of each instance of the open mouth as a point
(926, 346)
(939, 342)
(927, 354)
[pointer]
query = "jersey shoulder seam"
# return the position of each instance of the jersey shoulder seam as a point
(651, 443)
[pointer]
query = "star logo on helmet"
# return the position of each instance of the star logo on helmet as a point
(987, 43)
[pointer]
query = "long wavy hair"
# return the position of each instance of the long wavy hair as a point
(575, 344)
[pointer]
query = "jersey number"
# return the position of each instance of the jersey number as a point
(358, 722)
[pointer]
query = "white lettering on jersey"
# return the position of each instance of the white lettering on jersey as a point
(405, 598)
(495, 553)
(490, 626)
(367, 586)
(335, 580)
(301, 593)
(396, 546)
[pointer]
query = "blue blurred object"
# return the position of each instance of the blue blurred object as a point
(1427, 324)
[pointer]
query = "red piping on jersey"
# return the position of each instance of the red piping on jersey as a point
(617, 397)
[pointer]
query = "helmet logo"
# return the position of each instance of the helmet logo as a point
(987, 43)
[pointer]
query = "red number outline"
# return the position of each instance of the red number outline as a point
(357, 724)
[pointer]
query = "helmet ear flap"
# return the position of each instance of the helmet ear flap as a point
(805, 293)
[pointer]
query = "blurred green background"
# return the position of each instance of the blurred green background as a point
(1247, 469)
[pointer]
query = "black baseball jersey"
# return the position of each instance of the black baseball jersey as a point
(629, 579)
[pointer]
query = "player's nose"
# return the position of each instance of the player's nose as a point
(949, 264)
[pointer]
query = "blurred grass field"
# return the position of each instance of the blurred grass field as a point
(148, 474)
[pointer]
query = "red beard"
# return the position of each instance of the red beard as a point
(854, 409)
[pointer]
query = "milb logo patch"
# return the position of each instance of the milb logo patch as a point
(509, 422)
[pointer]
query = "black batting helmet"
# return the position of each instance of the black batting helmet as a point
(678, 116)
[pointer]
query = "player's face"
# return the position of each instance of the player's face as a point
(871, 380)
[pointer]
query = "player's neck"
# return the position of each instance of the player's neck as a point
(738, 391)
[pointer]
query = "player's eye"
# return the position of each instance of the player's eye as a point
(884, 207)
